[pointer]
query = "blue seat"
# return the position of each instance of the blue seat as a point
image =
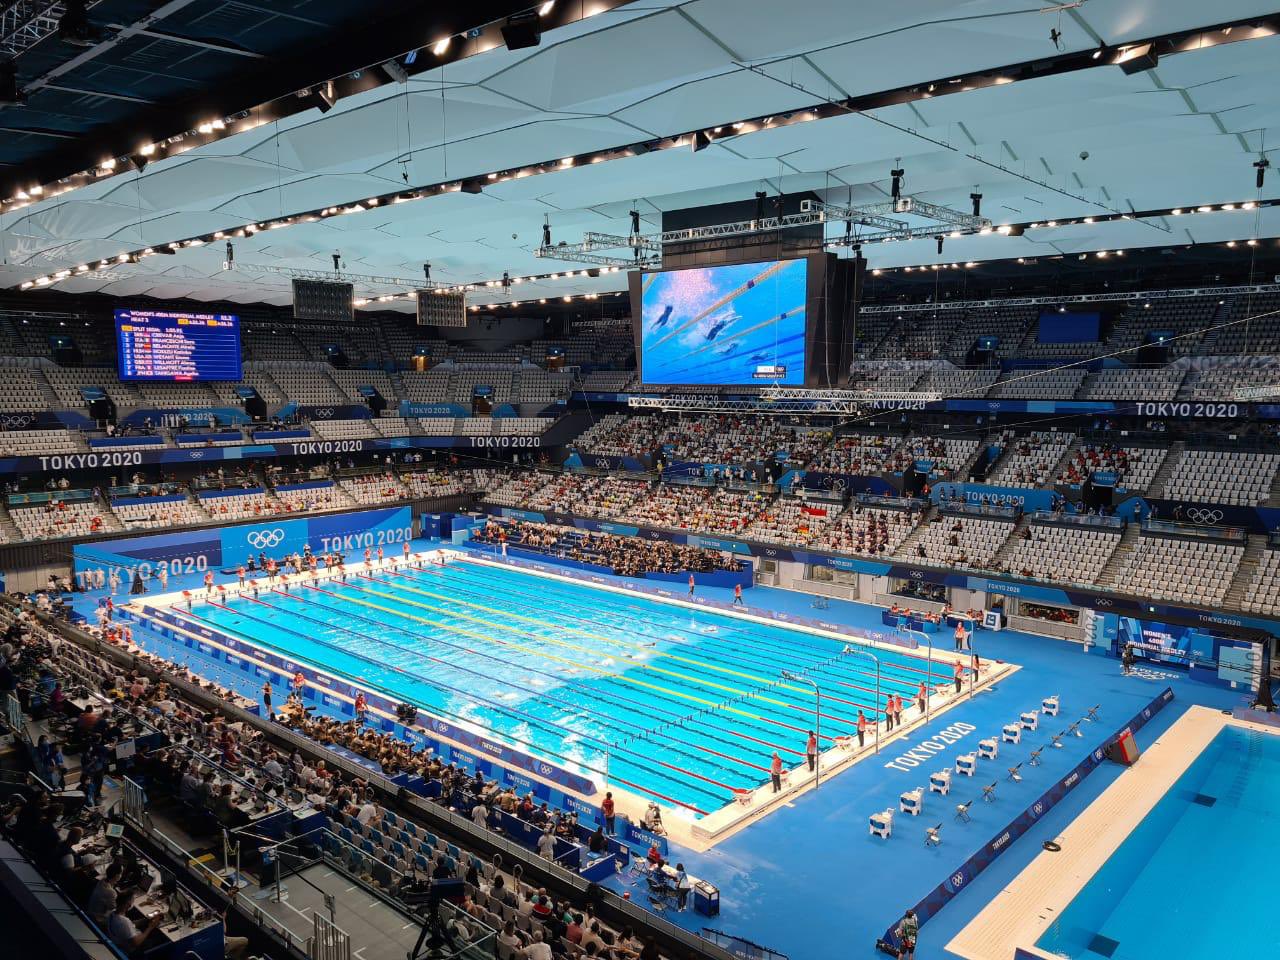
(367, 846)
(347, 835)
(391, 819)
(398, 848)
(406, 837)
(376, 836)
(422, 862)
(454, 852)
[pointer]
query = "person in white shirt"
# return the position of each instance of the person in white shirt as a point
(480, 816)
(537, 950)
(547, 845)
(120, 928)
(368, 811)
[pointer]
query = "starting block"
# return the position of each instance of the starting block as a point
(966, 763)
(940, 782)
(1030, 720)
(881, 824)
(988, 749)
(1012, 733)
(912, 801)
(1049, 706)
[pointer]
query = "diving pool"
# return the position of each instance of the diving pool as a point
(679, 704)
(1194, 879)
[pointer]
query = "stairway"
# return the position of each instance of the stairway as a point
(109, 519)
(1082, 391)
(48, 399)
(1006, 548)
(1120, 557)
(1067, 456)
(1244, 573)
(1156, 487)
(1273, 498)
(8, 528)
(907, 549)
(1209, 342)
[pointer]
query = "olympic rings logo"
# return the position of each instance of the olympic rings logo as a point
(602, 463)
(957, 881)
(260, 539)
(16, 421)
(1203, 515)
(324, 413)
(195, 454)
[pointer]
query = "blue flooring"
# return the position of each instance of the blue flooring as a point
(810, 882)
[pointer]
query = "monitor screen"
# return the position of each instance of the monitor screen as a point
(163, 345)
(740, 324)
(1074, 327)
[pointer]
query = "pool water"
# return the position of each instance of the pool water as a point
(1196, 878)
(677, 704)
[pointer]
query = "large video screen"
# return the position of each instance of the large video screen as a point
(725, 326)
(161, 345)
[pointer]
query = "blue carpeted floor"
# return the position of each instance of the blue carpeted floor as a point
(810, 882)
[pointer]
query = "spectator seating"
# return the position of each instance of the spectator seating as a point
(965, 541)
(37, 443)
(1059, 384)
(1136, 383)
(955, 382)
(1074, 554)
(159, 513)
(1030, 460)
(587, 496)
(235, 505)
(698, 508)
(344, 429)
(375, 488)
(1262, 594)
(619, 435)
(948, 454)
(1173, 568)
(1134, 467)
(65, 518)
(327, 497)
(856, 454)
(1222, 476)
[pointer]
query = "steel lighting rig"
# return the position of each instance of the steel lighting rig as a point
(881, 218)
(783, 401)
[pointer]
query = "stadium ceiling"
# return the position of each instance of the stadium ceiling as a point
(1044, 133)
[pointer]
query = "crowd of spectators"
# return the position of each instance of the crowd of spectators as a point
(625, 556)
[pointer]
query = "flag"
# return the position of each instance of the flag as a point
(809, 511)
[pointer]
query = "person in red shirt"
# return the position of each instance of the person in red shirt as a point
(240, 575)
(654, 856)
(922, 696)
(959, 635)
(811, 750)
(775, 772)
(862, 728)
(888, 713)
(406, 551)
(691, 585)
(737, 595)
(368, 555)
(959, 674)
(607, 810)
(361, 708)
(379, 554)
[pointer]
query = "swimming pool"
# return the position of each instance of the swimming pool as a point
(677, 704)
(1193, 879)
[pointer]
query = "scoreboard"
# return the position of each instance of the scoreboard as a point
(174, 346)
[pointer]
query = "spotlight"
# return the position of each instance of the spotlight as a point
(895, 185)
(10, 94)
(1261, 166)
(1015, 230)
(322, 97)
(1102, 48)
(700, 141)
(1139, 58)
(395, 71)
(522, 31)
(441, 46)
(74, 29)
(977, 203)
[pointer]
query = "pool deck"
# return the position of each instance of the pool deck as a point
(807, 880)
(1021, 913)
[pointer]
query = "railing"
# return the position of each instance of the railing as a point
(328, 942)
(1076, 520)
(1198, 531)
(893, 503)
(1003, 511)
